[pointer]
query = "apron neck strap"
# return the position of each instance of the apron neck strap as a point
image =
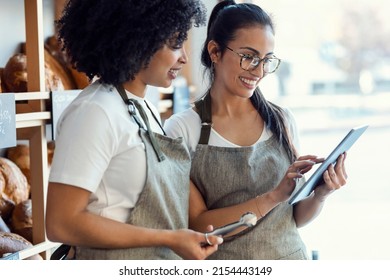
(131, 105)
(203, 108)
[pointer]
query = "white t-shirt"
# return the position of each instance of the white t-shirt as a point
(98, 149)
(187, 124)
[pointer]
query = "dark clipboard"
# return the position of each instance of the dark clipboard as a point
(316, 177)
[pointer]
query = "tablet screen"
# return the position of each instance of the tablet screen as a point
(316, 178)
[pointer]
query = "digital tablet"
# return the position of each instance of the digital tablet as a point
(316, 178)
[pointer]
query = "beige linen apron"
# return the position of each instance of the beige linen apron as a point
(163, 203)
(227, 176)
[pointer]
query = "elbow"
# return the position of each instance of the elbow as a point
(51, 233)
(54, 230)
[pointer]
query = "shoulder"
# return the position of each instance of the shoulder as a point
(98, 106)
(96, 98)
(291, 125)
(184, 121)
(96, 94)
(186, 124)
(288, 114)
(290, 118)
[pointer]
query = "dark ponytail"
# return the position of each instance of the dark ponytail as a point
(205, 57)
(275, 120)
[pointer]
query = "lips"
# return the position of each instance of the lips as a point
(249, 81)
(174, 73)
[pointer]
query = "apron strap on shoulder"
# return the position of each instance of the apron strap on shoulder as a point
(131, 105)
(203, 108)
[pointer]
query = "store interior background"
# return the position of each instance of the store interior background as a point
(335, 75)
(339, 78)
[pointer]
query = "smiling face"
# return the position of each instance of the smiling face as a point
(163, 68)
(253, 41)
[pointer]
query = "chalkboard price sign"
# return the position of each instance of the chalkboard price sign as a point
(7, 120)
(60, 100)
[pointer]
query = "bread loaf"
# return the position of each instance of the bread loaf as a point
(15, 74)
(3, 226)
(79, 80)
(50, 152)
(12, 242)
(1, 77)
(52, 80)
(13, 186)
(6, 204)
(20, 155)
(57, 77)
(21, 221)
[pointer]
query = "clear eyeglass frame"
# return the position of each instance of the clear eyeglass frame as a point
(250, 62)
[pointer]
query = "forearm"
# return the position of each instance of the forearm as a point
(307, 210)
(91, 230)
(68, 221)
(260, 206)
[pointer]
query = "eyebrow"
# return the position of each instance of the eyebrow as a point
(255, 51)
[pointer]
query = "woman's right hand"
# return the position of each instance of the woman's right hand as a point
(193, 245)
(295, 172)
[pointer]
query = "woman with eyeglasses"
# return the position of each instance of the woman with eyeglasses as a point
(243, 147)
(118, 187)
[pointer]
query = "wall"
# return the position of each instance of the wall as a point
(12, 33)
(12, 26)
(198, 36)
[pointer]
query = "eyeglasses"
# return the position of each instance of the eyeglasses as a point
(251, 62)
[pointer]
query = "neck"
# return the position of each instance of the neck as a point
(136, 88)
(230, 105)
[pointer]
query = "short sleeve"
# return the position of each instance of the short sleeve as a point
(185, 124)
(84, 146)
(293, 128)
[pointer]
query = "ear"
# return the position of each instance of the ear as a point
(213, 50)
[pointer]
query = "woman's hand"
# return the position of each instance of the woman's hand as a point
(194, 245)
(295, 171)
(334, 177)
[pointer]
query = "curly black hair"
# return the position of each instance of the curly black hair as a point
(115, 39)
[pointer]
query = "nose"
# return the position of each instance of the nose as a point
(183, 56)
(258, 71)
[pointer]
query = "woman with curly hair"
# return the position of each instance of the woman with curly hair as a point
(118, 187)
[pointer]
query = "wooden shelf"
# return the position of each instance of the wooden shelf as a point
(31, 119)
(26, 96)
(29, 252)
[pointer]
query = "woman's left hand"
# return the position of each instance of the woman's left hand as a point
(334, 177)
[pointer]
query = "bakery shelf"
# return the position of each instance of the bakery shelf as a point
(29, 252)
(31, 118)
(25, 96)
(30, 108)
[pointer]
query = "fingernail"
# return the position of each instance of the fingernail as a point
(219, 240)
